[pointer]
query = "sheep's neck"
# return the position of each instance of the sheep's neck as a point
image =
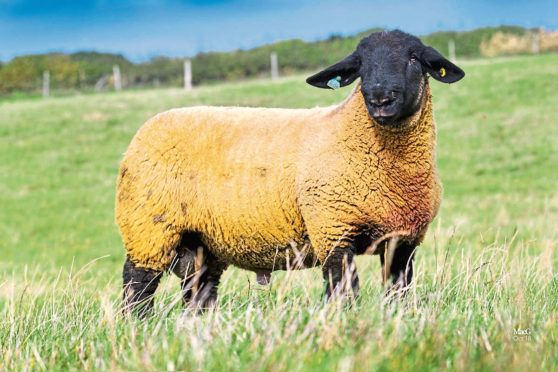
(395, 168)
(410, 145)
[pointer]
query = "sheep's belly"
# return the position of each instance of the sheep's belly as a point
(257, 254)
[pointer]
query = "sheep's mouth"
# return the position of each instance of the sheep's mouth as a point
(384, 113)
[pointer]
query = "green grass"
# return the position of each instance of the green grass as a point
(488, 265)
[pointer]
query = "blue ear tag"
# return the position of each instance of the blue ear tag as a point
(334, 83)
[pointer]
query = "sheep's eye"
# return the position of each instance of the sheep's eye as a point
(413, 58)
(442, 72)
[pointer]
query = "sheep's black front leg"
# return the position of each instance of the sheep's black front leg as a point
(400, 269)
(139, 286)
(339, 271)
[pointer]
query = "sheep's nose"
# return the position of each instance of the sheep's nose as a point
(378, 101)
(381, 96)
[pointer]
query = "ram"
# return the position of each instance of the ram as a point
(202, 188)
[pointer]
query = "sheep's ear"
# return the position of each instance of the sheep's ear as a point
(345, 72)
(440, 68)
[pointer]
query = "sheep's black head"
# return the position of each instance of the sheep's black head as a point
(392, 66)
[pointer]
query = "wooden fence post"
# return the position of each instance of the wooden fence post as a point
(187, 75)
(536, 42)
(274, 66)
(46, 84)
(117, 77)
(451, 50)
(81, 76)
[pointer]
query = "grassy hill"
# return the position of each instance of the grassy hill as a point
(486, 269)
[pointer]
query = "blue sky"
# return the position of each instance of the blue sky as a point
(141, 29)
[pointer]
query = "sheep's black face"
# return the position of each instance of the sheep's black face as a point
(392, 76)
(392, 66)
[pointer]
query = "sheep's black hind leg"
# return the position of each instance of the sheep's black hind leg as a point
(200, 289)
(199, 270)
(139, 286)
(183, 266)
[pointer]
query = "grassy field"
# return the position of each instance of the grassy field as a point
(487, 268)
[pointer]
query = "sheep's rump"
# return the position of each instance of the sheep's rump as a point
(227, 173)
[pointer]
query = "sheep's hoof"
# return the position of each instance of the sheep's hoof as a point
(202, 305)
(397, 291)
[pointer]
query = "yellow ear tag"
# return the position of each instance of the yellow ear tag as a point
(442, 72)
